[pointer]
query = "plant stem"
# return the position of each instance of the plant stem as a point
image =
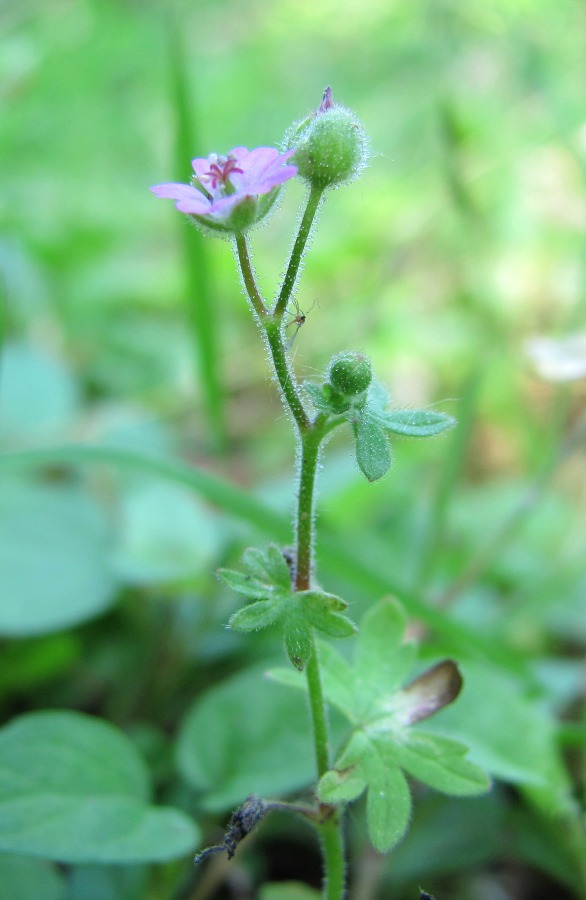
(311, 434)
(297, 252)
(248, 276)
(331, 828)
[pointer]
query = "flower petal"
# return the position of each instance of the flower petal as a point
(189, 198)
(263, 170)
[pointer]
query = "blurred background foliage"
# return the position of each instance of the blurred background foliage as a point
(123, 330)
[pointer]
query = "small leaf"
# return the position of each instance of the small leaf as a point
(298, 640)
(257, 615)
(245, 585)
(416, 422)
(373, 453)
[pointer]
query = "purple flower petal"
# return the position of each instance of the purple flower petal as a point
(189, 199)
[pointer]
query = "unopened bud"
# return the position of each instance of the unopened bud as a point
(350, 373)
(331, 146)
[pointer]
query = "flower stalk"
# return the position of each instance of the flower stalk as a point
(310, 434)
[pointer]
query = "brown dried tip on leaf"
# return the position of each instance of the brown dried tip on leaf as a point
(430, 692)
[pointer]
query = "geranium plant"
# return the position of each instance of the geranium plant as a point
(228, 196)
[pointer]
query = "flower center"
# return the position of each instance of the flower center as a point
(220, 170)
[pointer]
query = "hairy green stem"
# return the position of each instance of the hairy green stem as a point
(248, 276)
(330, 829)
(297, 252)
(311, 434)
(285, 374)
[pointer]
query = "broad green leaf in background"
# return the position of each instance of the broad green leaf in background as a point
(338, 556)
(166, 534)
(39, 397)
(247, 735)
(55, 566)
(74, 789)
(114, 882)
(22, 878)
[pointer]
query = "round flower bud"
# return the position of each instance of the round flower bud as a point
(331, 146)
(350, 373)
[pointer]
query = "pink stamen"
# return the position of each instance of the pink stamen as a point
(222, 173)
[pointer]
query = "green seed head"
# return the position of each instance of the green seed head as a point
(331, 145)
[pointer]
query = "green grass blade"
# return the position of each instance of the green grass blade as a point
(202, 311)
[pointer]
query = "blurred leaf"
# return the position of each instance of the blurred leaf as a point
(338, 557)
(108, 882)
(247, 735)
(55, 569)
(23, 878)
(73, 789)
(166, 534)
(39, 398)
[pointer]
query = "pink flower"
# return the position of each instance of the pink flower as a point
(226, 188)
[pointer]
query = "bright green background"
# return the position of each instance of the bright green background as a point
(463, 239)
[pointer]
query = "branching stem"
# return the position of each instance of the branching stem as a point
(310, 434)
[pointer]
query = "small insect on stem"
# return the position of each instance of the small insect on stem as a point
(298, 319)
